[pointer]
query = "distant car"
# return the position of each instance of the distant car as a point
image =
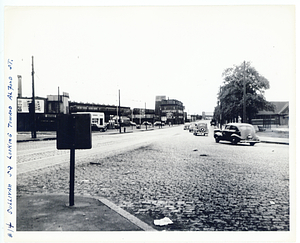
(237, 133)
(201, 129)
(213, 122)
(186, 127)
(146, 123)
(157, 123)
(132, 123)
(192, 127)
(95, 127)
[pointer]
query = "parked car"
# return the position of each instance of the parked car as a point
(201, 129)
(103, 128)
(213, 122)
(192, 127)
(186, 127)
(146, 123)
(237, 133)
(157, 123)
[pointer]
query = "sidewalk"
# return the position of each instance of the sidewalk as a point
(275, 135)
(51, 212)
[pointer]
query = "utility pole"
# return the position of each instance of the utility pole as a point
(33, 129)
(119, 113)
(244, 96)
(58, 106)
(145, 116)
(220, 110)
(140, 116)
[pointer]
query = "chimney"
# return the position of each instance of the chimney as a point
(19, 86)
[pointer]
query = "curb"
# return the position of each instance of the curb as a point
(274, 142)
(127, 215)
(34, 140)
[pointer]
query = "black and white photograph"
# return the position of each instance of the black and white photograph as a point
(153, 122)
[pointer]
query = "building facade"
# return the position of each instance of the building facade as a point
(139, 115)
(58, 103)
(158, 100)
(46, 110)
(171, 111)
(109, 110)
(207, 115)
(280, 116)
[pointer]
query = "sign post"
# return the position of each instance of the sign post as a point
(73, 132)
(72, 176)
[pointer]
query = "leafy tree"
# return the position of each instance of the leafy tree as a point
(231, 93)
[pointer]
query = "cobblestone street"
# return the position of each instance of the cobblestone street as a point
(198, 184)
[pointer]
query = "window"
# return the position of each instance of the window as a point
(95, 120)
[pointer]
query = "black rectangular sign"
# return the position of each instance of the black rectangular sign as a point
(74, 131)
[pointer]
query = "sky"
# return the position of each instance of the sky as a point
(145, 51)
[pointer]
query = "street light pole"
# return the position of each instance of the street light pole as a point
(244, 96)
(119, 113)
(58, 101)
(145, 116)
(33, 129)
(220, 110)
(140, 116)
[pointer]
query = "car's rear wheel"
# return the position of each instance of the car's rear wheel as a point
(234, 140)
(217, 140)
(252, 144)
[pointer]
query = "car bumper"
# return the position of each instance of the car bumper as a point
(200, 133)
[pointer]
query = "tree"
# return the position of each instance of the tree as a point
(231, 93)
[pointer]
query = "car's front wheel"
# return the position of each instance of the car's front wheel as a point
(252, 144)
(234, 140)
(217, 139)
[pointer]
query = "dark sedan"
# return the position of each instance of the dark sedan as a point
(237, 133)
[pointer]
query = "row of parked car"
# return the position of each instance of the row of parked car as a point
(149, 124)
(232, 132)
(197, 128)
